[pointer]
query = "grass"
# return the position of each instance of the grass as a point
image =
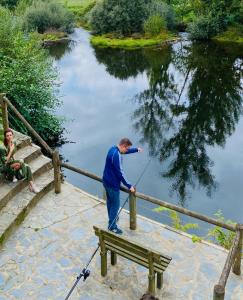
(233, 34)
(79, 8)
(131, 42)
(53, 36)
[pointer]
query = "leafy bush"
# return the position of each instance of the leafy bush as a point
(176, 220)
(43, 15)
(157, 7)
(8, 3)
(122, 16)
(220, 236)
(205, 27)
(154, 25)
(29, 79)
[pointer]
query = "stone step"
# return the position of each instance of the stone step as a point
(21, 139)
(19, 206)
(28, 153)
(38, 166)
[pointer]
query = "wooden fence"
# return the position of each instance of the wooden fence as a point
(234, 256)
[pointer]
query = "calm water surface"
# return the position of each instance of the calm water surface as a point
(181, 103)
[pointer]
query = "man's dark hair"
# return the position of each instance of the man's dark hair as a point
(148, 297)
(126, 142)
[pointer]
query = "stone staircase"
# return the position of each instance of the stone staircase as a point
(15, 198)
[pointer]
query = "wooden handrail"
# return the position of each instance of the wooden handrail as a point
(54, 154)
(219, 289)
(230, 260)
(28, 126)
(157, 201)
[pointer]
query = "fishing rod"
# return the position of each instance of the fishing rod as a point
(85, 271)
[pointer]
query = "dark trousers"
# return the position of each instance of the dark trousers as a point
(113, 205)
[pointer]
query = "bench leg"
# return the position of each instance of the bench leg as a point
(103, 255)
(159, 280)
(113, 258)
(151, 287)
(151, 277)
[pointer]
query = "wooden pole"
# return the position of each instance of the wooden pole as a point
(57, 171)
(4, 106)
(237, 265)
(133, 211)
(219, 292)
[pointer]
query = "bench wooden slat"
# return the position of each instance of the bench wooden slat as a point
(130, 248)
(143, 263)
(144, 260)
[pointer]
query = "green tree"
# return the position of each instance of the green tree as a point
(122, 16)
(29, 79)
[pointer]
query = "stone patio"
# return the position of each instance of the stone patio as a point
(43, 257)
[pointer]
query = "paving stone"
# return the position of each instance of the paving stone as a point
(44, 256)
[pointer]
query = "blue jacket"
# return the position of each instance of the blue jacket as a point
(113, 173)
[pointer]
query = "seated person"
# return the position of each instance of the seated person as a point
(12, 169)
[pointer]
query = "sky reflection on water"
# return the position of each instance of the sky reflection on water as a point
(181, 103)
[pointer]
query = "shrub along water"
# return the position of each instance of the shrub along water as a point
(162, 9)
(154, 25)
(29, 79)
(122, 16)
(43, 15)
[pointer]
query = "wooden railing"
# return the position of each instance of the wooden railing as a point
(234, 256)
(5, 104)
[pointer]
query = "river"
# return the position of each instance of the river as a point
(182, 103)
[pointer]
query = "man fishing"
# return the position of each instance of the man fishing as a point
(112, 177)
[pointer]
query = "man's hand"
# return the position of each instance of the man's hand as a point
(140, 150)
(132, 189)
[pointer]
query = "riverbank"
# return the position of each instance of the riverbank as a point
(132, 42)
(42, 259)
(232, 35)
(53, 37)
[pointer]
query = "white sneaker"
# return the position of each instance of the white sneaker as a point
(34, 189)
(15, 179)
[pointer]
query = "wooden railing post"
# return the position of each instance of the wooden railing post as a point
(218, 292)
(133, 211)
(4, 107)
(57, 171)
(237, 264)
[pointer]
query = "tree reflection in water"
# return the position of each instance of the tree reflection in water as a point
(194, 101)
(59, 49)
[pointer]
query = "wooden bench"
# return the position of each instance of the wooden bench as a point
(156, 262)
